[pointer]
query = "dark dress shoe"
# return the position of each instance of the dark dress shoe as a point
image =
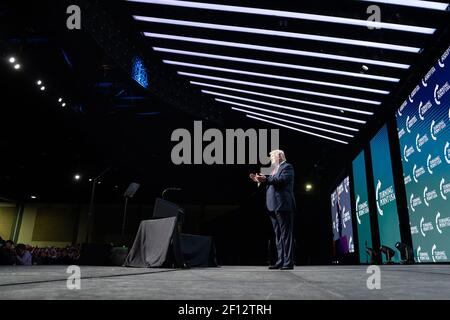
(287, 268)
(274, 267)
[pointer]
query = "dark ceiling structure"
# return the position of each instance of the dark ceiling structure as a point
(320, 68)
(324, 72)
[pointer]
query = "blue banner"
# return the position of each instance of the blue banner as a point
(341, 213)
(423, 123)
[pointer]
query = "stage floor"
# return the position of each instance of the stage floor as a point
(230, 282)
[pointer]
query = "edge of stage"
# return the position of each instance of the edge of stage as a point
(226, 283)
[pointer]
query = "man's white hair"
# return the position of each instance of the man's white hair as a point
(278, 153)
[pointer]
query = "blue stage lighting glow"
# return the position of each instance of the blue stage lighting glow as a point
(139, 72)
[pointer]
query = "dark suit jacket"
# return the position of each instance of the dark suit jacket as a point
(280, 189)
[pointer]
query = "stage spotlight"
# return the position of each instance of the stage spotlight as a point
(406, 253)
(77, 177)
(388, 252)
(308, 187)
(17, 66)
(42, 88)
(39, 82)
(12, 60)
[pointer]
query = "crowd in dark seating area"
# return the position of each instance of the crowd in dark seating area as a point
(21, 254)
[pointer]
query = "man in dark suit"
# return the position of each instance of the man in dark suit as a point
(280, 203)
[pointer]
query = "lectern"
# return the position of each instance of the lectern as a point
(156, 236)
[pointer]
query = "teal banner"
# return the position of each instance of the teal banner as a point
(362, 207)
(386, 199)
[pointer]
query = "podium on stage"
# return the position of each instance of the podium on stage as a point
(160, 243)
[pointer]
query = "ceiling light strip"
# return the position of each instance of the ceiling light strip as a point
(297, 129)
(293, 122)
(273, 76)
(292, 35)
(323, 105)
(287, 115)
(278, 50)
(277, 64)
(321, 114)
(415, 3)
(267, 86)
(292, 15)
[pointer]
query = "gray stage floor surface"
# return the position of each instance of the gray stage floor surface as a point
(229, 282)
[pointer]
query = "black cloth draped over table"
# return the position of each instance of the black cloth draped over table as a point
(151, 245)
(159, 243)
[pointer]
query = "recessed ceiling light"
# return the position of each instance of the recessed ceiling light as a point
(17, 66)
(278, 50)
(12, 60)
(291, 15)
(39, 82)
(287, 115)
(42, 88)
(33, 197)
(267, 86)
(303, 36)
(60, 100)
(317, 104)
(273, 76)
(277, 64)
(365, 68)
(63, 104)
